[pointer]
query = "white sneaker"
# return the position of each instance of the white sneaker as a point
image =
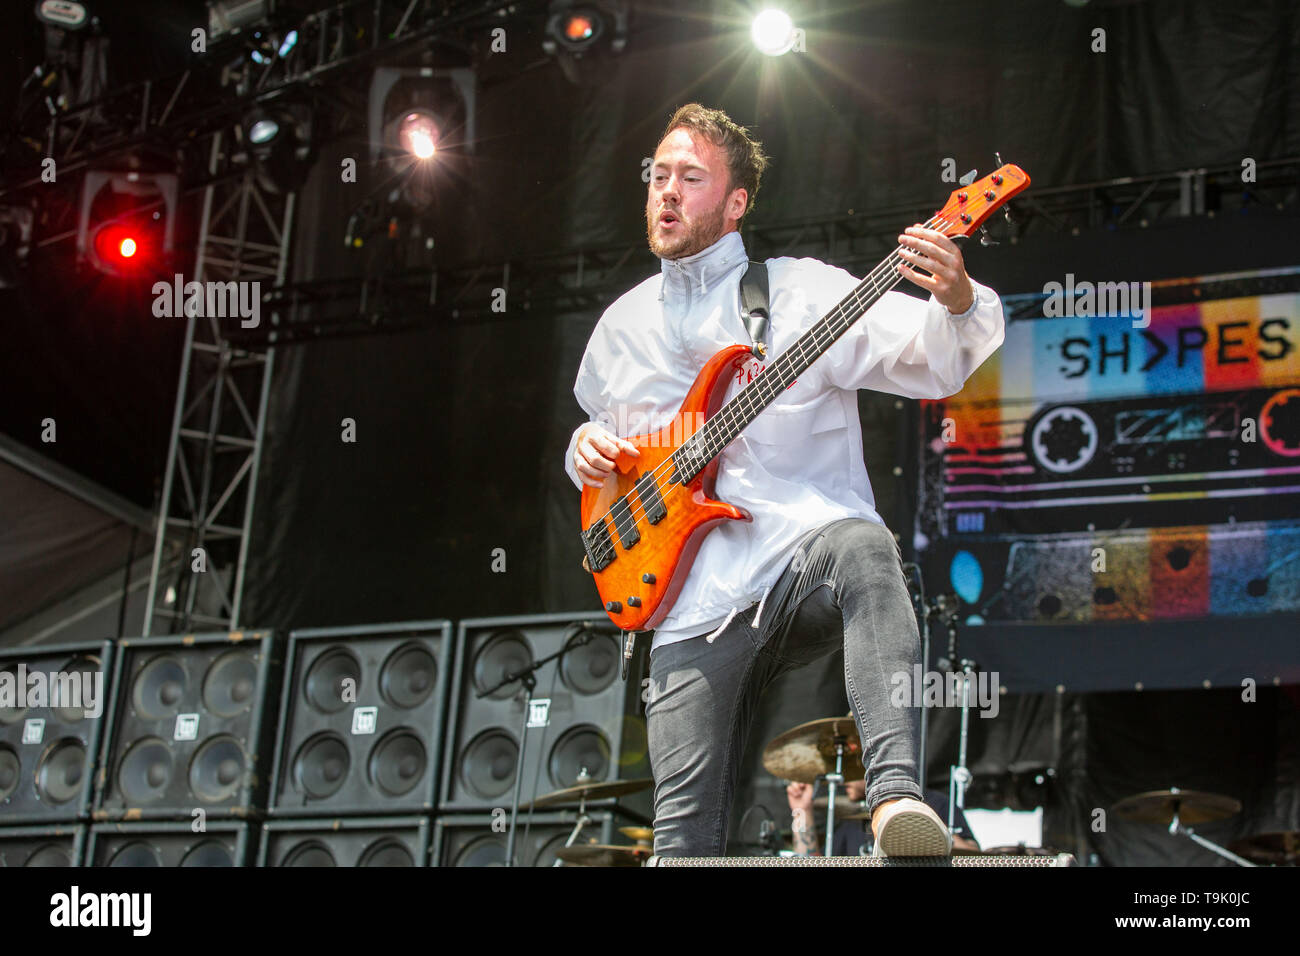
(910, 828)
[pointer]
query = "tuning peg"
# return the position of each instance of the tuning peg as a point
(985, 240)
(998, 157)
(969, 177)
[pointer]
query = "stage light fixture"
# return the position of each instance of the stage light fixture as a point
(64, 14)
(773, 32)
(421, 113)
(231, 16)
(280, 144)
(127, 221)
(417, 133)
(575, 27)
(263, 131)
(114, 243)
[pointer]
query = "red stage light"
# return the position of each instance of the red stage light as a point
(578, 28)
(119, 246)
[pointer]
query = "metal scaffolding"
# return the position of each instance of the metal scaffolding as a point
(545, 285)
(219, 424)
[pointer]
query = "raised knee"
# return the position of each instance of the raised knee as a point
(867, 540)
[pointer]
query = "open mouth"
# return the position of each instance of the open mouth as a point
(667, 219)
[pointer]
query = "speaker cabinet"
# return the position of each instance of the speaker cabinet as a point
(42, 845)
(352, 841)
(190, 727)
(52, 704)
(593, 721)
(224, 843)
(361, 723)
(470, 840)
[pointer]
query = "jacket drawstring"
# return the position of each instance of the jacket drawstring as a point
(759, 613)
(721, 627)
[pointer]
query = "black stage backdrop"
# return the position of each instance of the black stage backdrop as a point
(460, 431)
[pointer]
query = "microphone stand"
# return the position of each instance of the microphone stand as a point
(959, 775)
(833, 780)
(526, 676)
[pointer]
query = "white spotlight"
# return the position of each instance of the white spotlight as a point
(418, 134)
(773, 32)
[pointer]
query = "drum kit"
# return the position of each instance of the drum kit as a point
(1177, 808)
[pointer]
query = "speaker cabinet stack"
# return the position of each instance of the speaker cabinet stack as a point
(359, 747)
(52, 703)
(584, 718)
(188, 735)
(353, 841)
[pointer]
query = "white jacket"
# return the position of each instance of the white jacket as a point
(799, 464)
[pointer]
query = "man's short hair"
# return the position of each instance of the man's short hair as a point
(745, 157)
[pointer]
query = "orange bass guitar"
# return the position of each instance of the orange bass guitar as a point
(641, 531)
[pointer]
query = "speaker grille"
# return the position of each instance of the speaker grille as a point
(189, 727)
(42, 846)
(361, 721)
(357, 841)
(594, 722)
(225, 843)
(52, 704)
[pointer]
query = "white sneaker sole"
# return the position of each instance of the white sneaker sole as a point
(913, 833)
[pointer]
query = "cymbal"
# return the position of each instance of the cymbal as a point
(1271, 849)
(590, 791)
(806, 752)
(595, 854)
(640, 834)
(1192, 806)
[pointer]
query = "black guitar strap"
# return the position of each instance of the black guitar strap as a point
(754, 305)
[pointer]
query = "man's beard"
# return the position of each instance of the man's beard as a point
(704, 231)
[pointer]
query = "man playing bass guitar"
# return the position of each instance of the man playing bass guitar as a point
(815, 569)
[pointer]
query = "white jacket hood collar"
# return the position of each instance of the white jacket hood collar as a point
(702, 271)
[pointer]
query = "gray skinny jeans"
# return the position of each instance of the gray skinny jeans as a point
(849, 591)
